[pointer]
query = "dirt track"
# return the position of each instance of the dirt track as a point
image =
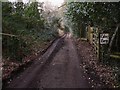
(61, 71)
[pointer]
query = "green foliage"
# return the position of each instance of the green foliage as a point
(27, 23)
(102, 14)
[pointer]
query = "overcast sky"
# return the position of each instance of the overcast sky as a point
(53, 2)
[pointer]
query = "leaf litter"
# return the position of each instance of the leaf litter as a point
(98, 75)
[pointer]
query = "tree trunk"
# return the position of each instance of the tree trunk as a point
(111, 41)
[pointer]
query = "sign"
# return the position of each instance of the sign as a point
(104, 38)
